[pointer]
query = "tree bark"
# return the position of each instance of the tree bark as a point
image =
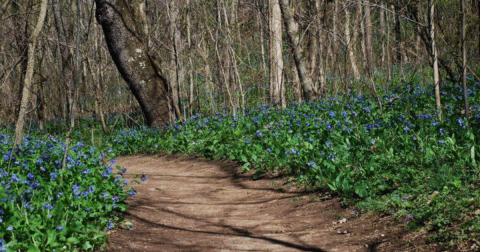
(368, 36)
(359, 29)
(464, 65)
(350, 42)
(191, 94)
(478, 18)
(398, 33)
(176, 73)
(27, 86)
(21, 42)
(436, 75)
(335, 38)
(382, 31)
(140, 70)
(276, 55)
(309, 90)
(66, 55)
(319, 4)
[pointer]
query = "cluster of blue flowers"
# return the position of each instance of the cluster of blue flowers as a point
(39, 193)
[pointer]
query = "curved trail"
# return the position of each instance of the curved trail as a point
(188, 204)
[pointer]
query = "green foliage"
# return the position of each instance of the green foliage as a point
(397, 158)
(391, 158)
(44, 207)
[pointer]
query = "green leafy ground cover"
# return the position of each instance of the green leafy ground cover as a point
(398, 159)
(46, 208)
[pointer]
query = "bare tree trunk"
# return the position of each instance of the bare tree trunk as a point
(141, 71)
(382, 32)
(297, 85)
(209, 91)
(436, 75)
(309, 90)
(359, 27)
(40, 97)
(389, 54)
(76, 84)
(21, 41)
(66, 55)
(368, 36)
(350, 42)
(276, 55)
(320, 44)
(27, 86)
(478, 18)
(398, 33)
(190, 62)
(223, 56)
(98, 96)
(335, 38)
(176, 73)
(464, 65)
(262, 43)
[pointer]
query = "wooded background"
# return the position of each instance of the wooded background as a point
(227, 55)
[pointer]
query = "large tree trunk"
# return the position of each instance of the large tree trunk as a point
(27, 86)
(309, 90)
(141, 71)
(276, 56)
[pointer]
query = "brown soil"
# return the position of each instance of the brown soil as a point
(189, 204)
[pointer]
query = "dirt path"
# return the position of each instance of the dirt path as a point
(189, 204)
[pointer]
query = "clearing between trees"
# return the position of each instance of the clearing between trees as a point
(189, 204)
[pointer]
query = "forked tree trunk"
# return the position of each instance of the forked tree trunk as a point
(309, 90)
(141, 71)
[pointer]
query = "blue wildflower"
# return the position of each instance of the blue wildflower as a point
(75, 189)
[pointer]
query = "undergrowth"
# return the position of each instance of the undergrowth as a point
(391, 153)
(45, 207)
(398, 158)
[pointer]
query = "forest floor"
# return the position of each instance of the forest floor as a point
(190, 204)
